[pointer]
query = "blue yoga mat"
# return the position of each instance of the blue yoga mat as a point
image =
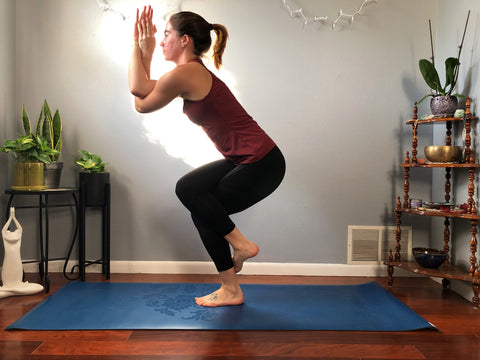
(102, 306)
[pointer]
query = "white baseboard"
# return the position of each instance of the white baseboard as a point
(250, 268)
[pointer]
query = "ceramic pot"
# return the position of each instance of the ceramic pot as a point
(52, 173)
(443, 105)
(28, 176)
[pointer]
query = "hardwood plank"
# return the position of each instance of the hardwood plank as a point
(459, 351)
(424, 337)
(99, 335)
(196, 348)
(181, 357)
(15, 350)
(457, 325)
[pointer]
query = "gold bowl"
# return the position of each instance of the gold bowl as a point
(443, 153)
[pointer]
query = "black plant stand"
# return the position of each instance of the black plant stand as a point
(104, 206)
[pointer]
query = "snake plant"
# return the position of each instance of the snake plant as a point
(49, 127)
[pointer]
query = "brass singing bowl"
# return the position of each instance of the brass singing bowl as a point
(443, 153)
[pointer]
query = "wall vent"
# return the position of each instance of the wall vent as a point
(370, 244)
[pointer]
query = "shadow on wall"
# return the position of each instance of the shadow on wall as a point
(396, 175)
(421, 181)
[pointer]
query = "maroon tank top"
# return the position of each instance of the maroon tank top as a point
(233, 131)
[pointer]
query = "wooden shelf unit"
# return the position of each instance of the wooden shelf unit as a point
(446, 271)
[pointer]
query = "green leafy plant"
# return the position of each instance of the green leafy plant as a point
(29, 148)
(430, 74)
(48, 126)
(90, 163)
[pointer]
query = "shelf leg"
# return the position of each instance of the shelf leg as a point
(469, 158)
(472, 209)
(476, 288)
(448, 184)
(390, 269)
(473, 247)
(390, 275)
(414, 138)
(446, 238)
(448, 140)
(476, 299)
(406, 187)
(398, 235)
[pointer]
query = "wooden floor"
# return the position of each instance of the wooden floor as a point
(458, 336)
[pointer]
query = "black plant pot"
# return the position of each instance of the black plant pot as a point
(52, 174)
(93, 188)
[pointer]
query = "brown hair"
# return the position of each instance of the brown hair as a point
(195, 26)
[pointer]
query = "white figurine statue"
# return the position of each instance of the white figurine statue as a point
(12, 270)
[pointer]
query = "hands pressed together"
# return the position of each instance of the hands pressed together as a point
(144, 34)
(150, 95)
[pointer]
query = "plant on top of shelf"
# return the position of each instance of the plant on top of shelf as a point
(93, 180)
(90, 163)
(42, 145)
(48, 126)
(33, 151)
(442, 93)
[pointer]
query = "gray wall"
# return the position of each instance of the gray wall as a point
(336, 102)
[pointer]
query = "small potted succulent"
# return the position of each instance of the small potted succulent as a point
(443, 101)
(93, 179)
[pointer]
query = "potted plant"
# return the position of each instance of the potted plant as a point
(30, 152)
(50, 128)
(443, 101)
(93, 179)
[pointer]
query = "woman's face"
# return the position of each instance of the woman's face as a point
(171, 43)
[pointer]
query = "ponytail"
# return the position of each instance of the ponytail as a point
(220, 43)
(195, 26)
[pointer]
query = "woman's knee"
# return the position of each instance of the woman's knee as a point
(182, 189)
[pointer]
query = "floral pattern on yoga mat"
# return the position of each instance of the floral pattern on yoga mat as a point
(175, 301)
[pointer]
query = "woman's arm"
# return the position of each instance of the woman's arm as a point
(144, 43)
(139, 81)
(168, 87)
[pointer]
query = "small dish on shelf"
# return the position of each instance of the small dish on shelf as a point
(429, 258)
(432, 205)
(446, 207)
(442, 206)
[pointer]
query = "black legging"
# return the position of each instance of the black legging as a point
(214, 191)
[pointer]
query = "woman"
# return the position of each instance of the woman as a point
(253, 166)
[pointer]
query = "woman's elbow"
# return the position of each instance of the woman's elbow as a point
(137, 92)
(140, 108)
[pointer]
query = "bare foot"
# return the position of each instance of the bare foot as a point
(221, 297)
(240, 255)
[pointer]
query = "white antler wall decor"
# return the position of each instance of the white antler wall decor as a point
(298, 12)
(171, 6)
